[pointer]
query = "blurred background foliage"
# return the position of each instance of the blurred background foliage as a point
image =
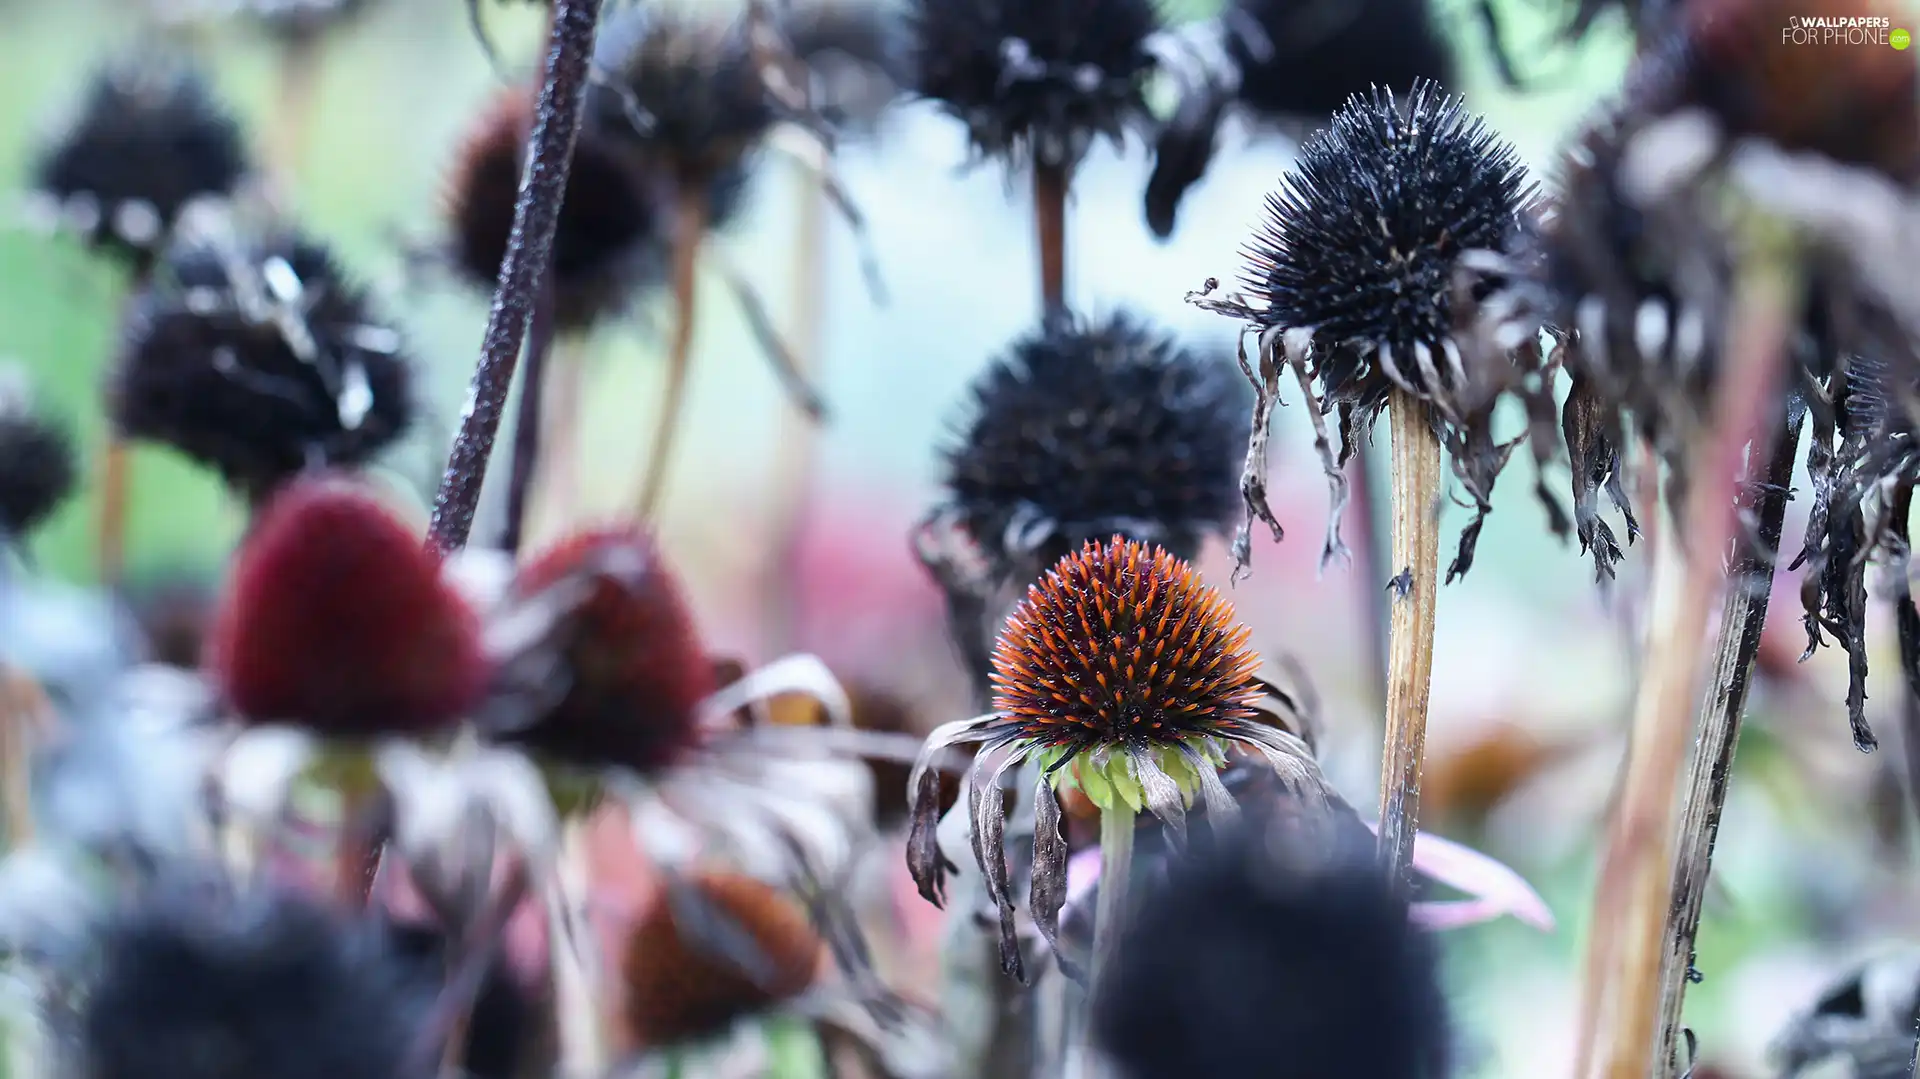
(1533, 667)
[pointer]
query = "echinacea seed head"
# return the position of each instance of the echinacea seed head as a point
(149, 138)
(1036, 80)
(608, 245)
(336, 618)
(38, 463)
(856, 54)
(1361, 242)
(1088, 428)
(711, 951)
(634, 668)
(1122, 646)
(260, 360)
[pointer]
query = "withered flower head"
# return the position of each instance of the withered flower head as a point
(687, 93)
(618, 673)
(609, 244)
(1088, 428)
(336, 618)
(1861, 1017)
(1355, 277)
(1238, 955)
(260, 359)
(712, 950)
(203, 984)
(856, 54)
(1122, 677)
(149, 138)
(1036, 80)
(38, 467)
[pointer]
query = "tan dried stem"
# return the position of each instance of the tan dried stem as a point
(1050, 230)
(116, 467)
(690, 226)
(798, 439)
(571, 951)
(26, 720)
(1416, 563)
(1619, 1019)
(298, 97)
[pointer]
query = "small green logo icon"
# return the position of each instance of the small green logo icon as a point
(1900, 39)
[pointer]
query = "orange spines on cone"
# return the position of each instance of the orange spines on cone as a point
(1121, 643)
(336, 618)
(679, 988)
(635, 665)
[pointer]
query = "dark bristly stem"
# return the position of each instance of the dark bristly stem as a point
(1050, 228)
(527, 420)
(1414, 599)
(1619, 1018)
(1743, 616)
(536, 213)
(690, 228)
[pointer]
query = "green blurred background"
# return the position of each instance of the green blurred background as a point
(1526, 641)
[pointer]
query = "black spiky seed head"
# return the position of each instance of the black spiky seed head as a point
(685, 91)
(265, 377)
(1361, 240)
(1087, 428)
(1036, 80)
(1306, 60)
(199, 986)
(1237, 953)
(38, 462)
(609, 243)
(149, 138)
(1122, 645)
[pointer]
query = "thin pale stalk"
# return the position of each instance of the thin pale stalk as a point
(1371, 555)
(26, 717)
(1050, 229)
(527, 422)
(1743, 615)
(536, 215)
(1416, 565)
(570, 948)
(690, 227)
(116, 468)
(1619, 1024)
(298, 93)
(1110, 911)
(798, 439)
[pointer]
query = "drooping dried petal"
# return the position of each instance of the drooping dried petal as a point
(336, 618)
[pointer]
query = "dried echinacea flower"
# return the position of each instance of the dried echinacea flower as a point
(201, 982)
(1861, 1017)
(1216, 964)
(1084, 429)
(1036, 82)
(1289, 63)
(1122, 677)
(258, 357)
(38, 462)
(855, 52)
(149, 138)
(1355, 279)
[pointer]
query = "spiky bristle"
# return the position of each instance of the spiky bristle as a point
(199, 986)
(1361, 241)
(1237, 953)
(608, 245)
(150, 137)
(209, 366)
(336, 618)
(724, 949)
(1092, 428)
(1120, 645)
(1036, 80)
(38, 467)
(634, 667)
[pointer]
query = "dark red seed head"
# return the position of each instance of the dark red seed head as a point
(337, 619)
(1122, 644)
(681, 988)
(635, 667)
(608, 245)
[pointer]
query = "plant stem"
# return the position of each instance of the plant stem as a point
(798, 438)
(1371, 556)
(690, 226)
(570, 948)
(1416, 558)
(116, 467)
(536, 214)
(299, 81)
(1110, 913)
(1636, 874)
(1743, 616)
(527, 421)
(1050, 228)
(25, 716)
